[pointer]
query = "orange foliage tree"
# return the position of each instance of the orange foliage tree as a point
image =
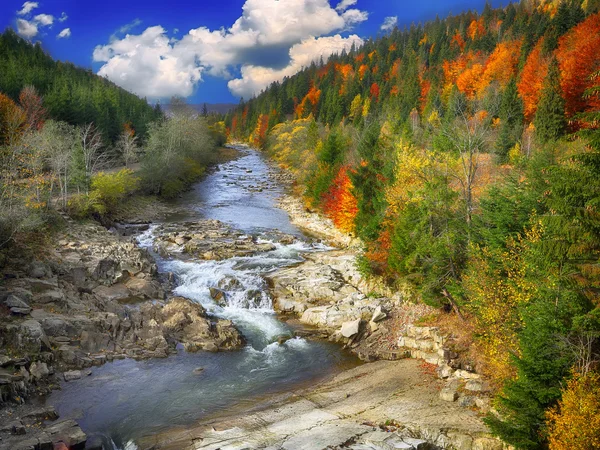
(578, 56)
(532, 80)
(339, 204)
(12, 120)
(374, 91)
(259, 136)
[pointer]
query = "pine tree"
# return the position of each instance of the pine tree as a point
(550, 122)
(511, 120)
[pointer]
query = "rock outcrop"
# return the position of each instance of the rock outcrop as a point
(209, 239)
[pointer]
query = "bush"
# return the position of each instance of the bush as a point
(111, 188)
(108, 190)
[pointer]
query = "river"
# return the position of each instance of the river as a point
(125, 400)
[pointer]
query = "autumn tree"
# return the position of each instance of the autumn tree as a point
(32, 105)
(574, 424)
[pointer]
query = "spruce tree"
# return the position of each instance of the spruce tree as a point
(550, 122)
(511, 120)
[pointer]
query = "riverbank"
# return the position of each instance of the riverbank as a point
(382, 405)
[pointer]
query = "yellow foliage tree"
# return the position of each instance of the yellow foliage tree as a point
(574, 424)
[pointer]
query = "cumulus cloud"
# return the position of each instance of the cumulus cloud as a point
(270, 40)
(149, 64)
(63, 17)
(255, 78)
(64, 33)
(29, 28)
(389, 23)
(27, 8)
(26, 28)
(345, 4)
(44, 20)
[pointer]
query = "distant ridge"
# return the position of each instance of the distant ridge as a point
(219, 108)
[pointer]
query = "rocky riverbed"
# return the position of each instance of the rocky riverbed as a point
(95, 296)
(210, 284)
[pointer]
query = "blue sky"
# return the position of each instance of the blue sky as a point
(209, 50)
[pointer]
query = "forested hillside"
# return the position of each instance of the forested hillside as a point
(71, 94)
(465, 154)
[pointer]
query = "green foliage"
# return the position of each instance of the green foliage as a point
(511, 120)
(108, 190)
(368, 182)
(176, 151)
(71, 94)
(550, 122)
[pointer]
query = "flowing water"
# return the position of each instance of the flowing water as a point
(126, 399)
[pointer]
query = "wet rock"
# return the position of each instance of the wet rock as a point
(254, 297)
(72, 375)
(69, 433)
(350, 329)
(198, 370)
(229, 283)
(216, 294)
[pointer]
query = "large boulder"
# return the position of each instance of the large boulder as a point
(350, 329)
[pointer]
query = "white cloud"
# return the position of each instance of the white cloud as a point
(26, 29)
(149, 64)
(63, 17)
(256, 78)
(345, 4)
(270, 40)
(44, 20)
(30, 28)
(389, 23)
(134, 23)
(64, 33)
(27, 8)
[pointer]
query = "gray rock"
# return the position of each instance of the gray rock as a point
(20, 311)
(38, 269)
(466, 401)
(72, 375)
(351, 328)
(378, 315)
(39, 370)
(448, 395)
(32, 334)
(445, 371)
(477, 386)
(12, 301)
(50, 296)
(68, 432)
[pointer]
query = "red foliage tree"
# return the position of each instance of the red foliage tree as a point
(339, 202)
(374, 91)
(33, 107)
